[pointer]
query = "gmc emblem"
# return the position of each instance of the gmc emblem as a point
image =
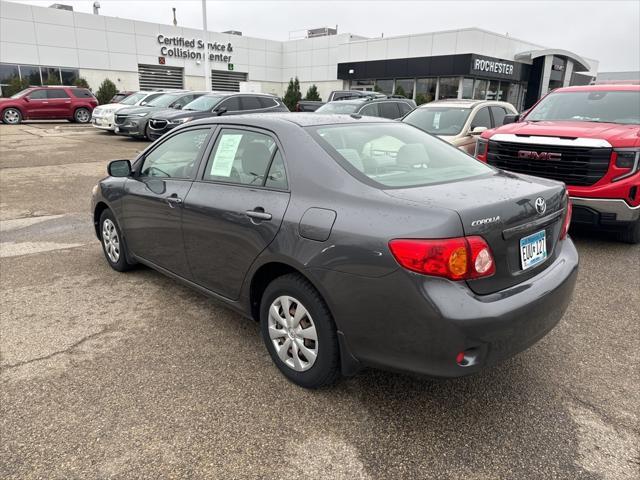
(529, 155)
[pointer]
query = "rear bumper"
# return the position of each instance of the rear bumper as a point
(414, 323)
(605, 210)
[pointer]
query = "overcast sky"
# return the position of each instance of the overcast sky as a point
(608, 31)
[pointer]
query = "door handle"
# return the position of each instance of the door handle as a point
(258, 213)
(173, 200)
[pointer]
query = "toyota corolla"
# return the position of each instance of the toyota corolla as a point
(354, 241)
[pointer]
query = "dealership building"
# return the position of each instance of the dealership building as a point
(53, 45)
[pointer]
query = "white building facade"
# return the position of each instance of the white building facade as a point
(47, 45)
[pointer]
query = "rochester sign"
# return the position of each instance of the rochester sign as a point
(492, 67)
(193, 49)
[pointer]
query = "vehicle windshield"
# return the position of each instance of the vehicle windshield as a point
(204, 103)
(439, 120)
(396, 155)
(595, 106)
(164, 100)
(21, 93)
(340, 106)
(133, 99)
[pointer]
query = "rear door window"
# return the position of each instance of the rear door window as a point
(389, 110)
(250, 103)
(56, 93)
(241, 157)
(231, 104)
(370, 110)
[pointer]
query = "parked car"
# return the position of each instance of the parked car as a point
(353, 240)
(40, 103)
(587, 137)
(376, 106)
(118, 97)
(459, 122)
(103, 116)
(313, 105)
(214, 104)
(134, 121)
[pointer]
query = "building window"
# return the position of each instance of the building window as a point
(467, 88)
(69, 76)
(492, 91)
(448, 87)
(404, 87)
(480, 89)
(31, 74)
(384, 86)
(425, 90)
(50, 75)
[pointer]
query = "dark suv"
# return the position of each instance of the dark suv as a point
(40, 103)
(133, 121)
(212, 105)
(373, 106)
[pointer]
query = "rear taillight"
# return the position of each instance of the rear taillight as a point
(482, 146)
(462, 258)
(567, 220)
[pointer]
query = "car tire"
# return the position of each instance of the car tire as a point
(11, 116)
(82, 115)
(631, 234)
(113, 244)
(316, 372)
(146, 132)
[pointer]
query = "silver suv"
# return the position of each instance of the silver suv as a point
(459, 121)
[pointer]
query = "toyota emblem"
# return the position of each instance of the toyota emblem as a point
(541, 205)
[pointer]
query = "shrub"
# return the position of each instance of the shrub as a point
(312, 94)
(106, 91)
(81, 82)
(15, 85)
(292, 95)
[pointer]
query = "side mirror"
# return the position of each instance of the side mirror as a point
(26, 98)
(510, 118)
(142, 104)
(119, 168)
(477, 130)
(220, 110)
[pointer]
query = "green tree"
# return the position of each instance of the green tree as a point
(376, 88)
(14, 86)
(51, 80)
(400, 91)
(292, 96)
(81, 82)
(312, 94)
(106, 91)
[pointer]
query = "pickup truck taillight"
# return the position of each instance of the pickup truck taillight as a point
(482, 146)
(461, 258)
(627, 162)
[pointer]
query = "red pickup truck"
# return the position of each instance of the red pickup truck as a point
(587, 137)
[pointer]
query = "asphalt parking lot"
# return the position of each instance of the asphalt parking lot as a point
(108, 375)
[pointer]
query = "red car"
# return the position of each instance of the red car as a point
(39, 103)
(587, 137)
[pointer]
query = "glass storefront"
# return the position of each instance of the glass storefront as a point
(426, 90)
(404, 87)
(34, 75)
(384, 86)
(467, 87)
(448, 87)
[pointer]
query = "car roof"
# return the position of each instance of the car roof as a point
(599, 88)
(302, 119)
(457, 103)
(228, 94)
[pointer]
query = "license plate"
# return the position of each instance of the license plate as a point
(117, 129)
(533, 249)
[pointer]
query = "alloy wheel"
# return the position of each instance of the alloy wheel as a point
(11, 116)
(83, 116)
(110, 240)
(293, 333)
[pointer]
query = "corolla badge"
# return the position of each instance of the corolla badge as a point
(541, 205)
(484, 221)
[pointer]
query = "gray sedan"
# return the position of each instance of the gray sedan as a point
(353, 241)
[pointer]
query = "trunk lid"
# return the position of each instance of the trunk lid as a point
(501, 208)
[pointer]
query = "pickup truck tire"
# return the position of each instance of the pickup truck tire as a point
(11, 116)
(631, 234)
(82, 115)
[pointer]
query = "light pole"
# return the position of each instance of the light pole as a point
(207, 69)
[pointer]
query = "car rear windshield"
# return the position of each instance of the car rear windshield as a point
(595, 106)
(340, 106)
(396, 155)
(439, 120)
(204, 103)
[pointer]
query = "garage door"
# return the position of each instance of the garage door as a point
(154, 77)
(223, 81)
